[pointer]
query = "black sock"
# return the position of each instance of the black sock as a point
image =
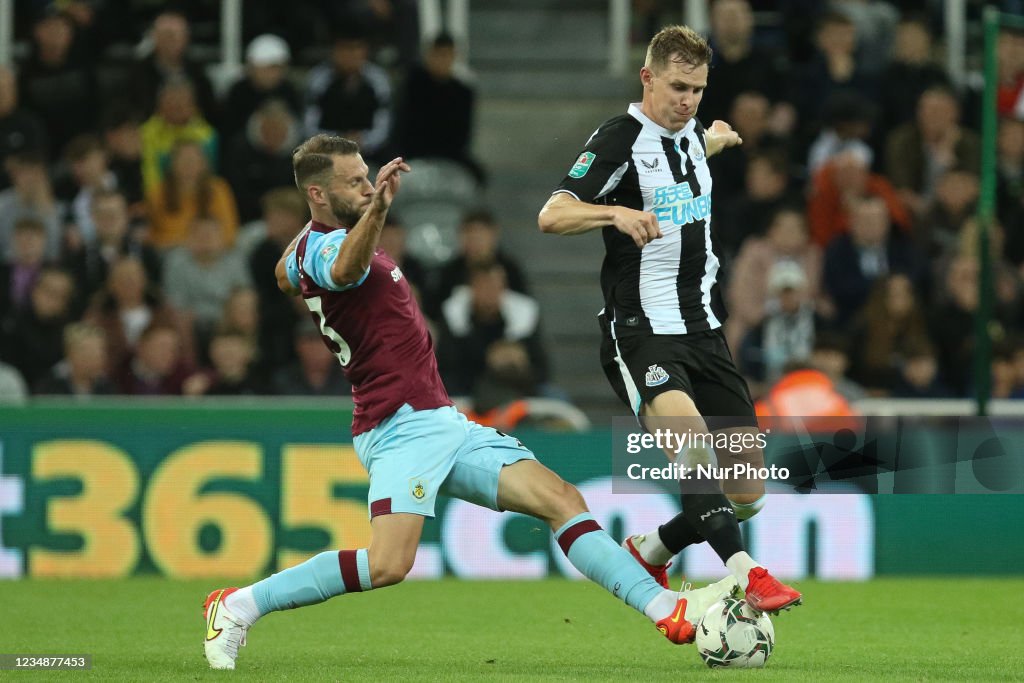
(705, 517)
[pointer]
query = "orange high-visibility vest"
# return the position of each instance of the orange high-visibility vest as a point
(807, 394)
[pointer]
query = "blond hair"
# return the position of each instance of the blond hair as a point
(678, 44)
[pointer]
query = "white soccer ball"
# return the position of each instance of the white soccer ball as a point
(732, 634)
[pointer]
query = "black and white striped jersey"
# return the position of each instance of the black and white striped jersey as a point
(671, 285)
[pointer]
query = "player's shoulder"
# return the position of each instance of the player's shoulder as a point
(617, 135)
(622, 126)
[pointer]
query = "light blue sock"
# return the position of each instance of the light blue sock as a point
(592, 551)
(317, 579)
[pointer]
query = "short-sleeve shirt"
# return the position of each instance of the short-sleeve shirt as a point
(671, 285)
(374, 327)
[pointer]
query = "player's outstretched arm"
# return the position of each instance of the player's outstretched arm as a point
(357, 250)
(721, 136)
(563, 214)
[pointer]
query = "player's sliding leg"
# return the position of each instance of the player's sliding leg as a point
(230, 612)
(707, 513)
(529, 487)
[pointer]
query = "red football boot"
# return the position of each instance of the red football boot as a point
(658, 571)
(765, 593)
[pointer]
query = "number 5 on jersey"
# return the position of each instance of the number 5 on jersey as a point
(344, 353)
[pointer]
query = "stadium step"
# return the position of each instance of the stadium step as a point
(540, 49)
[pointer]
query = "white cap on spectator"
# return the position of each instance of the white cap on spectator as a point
(786, 275)
(858, 150)
(268, 50)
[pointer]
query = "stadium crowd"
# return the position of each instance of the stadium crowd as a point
(142, 209)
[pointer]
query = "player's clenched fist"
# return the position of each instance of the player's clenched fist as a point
(642, 226)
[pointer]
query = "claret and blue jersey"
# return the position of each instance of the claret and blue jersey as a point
(374, 327)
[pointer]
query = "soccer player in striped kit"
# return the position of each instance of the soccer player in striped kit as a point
(643, 180)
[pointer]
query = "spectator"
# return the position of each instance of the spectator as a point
(169, 63)
(749, 118)
(259, 157)
(1006, 278)
(392, 243)
(126, 306)
(870, 250)
(199, 276)
(848, 118)
(479, 234)
(284, 213)
(786, 334)
(919, 373)
(190, 191)
(241, 315)
(232, 355)
(890, 321)
(840, 184)
(766, 191)
(1004, 377)
(266, 79)
(875, 23)
(114, 241)
(391, 26)
(917, 154)
(19, 274)
(31, 339)
(83, 371)
(1010, 63)
(747, 290)
(912, 71)
(740, 66)
(831, 356)
(1016, 346)
(1010, 184)
(349, 96)
(434, 112)
(12, 385)
(89, 174)
(508, 377)
(157, 368)
(477, 315)
(57, 84)
(122, 137)
(175, 121)
(30, 196)
(316, 372)
(20, 129)
(834, 67)
(952, 322)
(954, 201)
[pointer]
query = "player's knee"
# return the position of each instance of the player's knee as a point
(563, 501)
(389, 570)
(746, 505)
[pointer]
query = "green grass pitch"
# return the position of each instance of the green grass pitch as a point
(150, 629)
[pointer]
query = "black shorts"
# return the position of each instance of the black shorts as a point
(699, 364)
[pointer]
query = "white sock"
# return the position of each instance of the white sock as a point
(740, 565)
(242, 605)
(662, 606)
(651, 548)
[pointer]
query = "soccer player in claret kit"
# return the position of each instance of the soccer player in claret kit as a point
(643, 180)
(407, 433)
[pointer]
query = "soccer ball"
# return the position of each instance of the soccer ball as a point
(731, 633)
